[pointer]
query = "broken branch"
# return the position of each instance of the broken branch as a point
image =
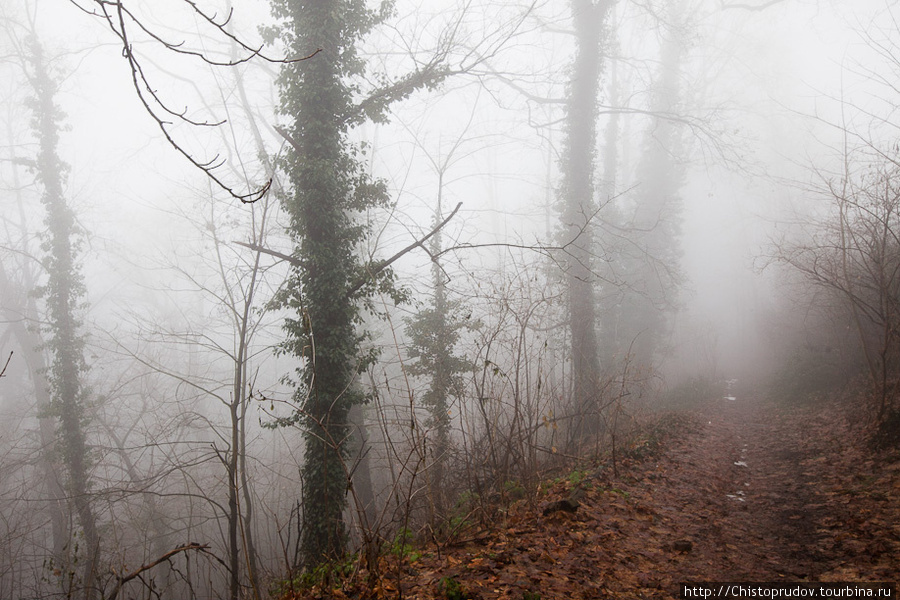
(381, 266)
(134, 574)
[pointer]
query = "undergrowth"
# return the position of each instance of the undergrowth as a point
(345, 578)
(806, 376)
(887, 434)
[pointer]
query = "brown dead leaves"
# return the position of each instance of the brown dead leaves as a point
(748, 491)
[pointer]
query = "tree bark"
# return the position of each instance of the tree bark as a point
(63, 292)
(578, 205)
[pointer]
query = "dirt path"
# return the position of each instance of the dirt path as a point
(765, 493)
(747, 491)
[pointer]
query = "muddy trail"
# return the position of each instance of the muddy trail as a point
(765, 493)
(741, 490)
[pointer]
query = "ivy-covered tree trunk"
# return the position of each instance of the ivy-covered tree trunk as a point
(19, 309)
(578, 205)
(63, 293)
(445, 372)
(329, 184)
(330, 187)
(433, 333)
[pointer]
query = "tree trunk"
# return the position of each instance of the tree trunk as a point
(63, 292)
(657, 274)
(18, 315)
(328, 184)
(578, 206)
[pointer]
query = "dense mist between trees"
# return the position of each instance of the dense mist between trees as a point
(284, 282)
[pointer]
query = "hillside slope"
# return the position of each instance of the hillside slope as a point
(746, 491)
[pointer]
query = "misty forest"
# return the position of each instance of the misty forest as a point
(447, 298)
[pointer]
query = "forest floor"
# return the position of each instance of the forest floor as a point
(740, 490)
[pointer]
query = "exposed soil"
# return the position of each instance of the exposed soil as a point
(747, 491)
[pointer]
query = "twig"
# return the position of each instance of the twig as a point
(275, 253)
(9, 358)
(134, 574)
(381, 266)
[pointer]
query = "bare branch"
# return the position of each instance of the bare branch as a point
(288, 138)
(9, 358)
(122, 580)
(257, 248)
(372, 270)
(122, 21)
(377, 268)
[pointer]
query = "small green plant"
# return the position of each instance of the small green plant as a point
(327, 574)
(465, 499)
(402, 547)
(618, 491)
(531, 596)
(456, 523)
(577, 476)
(452, 589)
(458, 519)
(514, 490)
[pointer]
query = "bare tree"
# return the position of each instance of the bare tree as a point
(856, 255)
(644, 242)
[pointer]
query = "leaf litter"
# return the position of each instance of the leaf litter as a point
(815, 504)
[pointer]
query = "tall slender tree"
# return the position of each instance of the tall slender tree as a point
(577, 197)
(434, 332)
(63, 294)
(652, 264)
(611, 243)
(19, 310)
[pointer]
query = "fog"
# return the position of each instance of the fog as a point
(722, 133)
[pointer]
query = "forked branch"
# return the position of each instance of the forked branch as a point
(373, 269)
